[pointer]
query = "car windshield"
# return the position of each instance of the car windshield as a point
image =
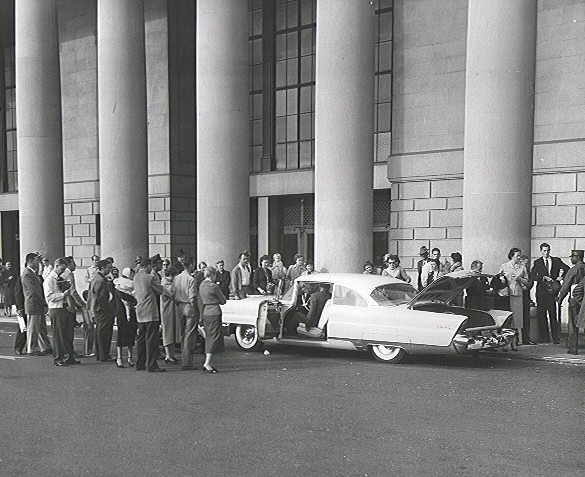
(393, 294)
(288, 295)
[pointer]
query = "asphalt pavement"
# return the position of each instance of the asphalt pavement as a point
(295, 411)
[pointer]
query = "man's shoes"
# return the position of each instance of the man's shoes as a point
(77, 355)
(18, 351)
(140, 369)
(529, 343)
(60, 363)
(90, 355)
(73, 361)
(157, 370)
(37, 353)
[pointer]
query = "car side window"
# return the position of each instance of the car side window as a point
(346, 296)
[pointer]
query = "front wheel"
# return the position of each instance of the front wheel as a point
(247, 337)
(387, 354)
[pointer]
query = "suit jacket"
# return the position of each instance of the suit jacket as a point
(260, 280)
(419, 267)
(147, 288)
(223, 280)
(236, 278)
(98, 297)
(539, 271)
(316, 305)
(19, 295)
(211, 297)
(34, 295)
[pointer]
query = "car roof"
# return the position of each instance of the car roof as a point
(356, 281)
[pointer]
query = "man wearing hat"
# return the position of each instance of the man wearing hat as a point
(35, 306)
(102, 310)
(424, 253)
(147, 290)
(573, 283)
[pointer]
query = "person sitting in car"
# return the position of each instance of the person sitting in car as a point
(316, 305)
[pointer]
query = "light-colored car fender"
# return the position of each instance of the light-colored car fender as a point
(426, 328)
(244, 311)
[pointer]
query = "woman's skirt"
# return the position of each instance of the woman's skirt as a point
(517, 308)
(127, 327)
(169, 321)
(213, 336)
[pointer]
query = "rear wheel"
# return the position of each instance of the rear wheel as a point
(387, 354)
(247, 337)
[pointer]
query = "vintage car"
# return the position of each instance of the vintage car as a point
(378, 314)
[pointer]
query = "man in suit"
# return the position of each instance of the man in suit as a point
(20, 341)
(147, 289)
(102, 310)
(186, 297)
(223, 279)
(35, 306)
(57, 297)
(424, 254)
(545, 271)
(316, 305)
(573, 284)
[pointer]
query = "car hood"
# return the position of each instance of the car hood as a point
(445, 288)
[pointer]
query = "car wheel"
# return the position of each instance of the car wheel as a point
(247, 337)
(387, 354)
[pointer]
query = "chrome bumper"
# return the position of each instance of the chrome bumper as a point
(483, 341)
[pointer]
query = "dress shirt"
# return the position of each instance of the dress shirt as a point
(185, 288)
(55, 298)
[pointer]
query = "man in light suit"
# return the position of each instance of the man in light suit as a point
(186, 297)
(242, 277)
(545, 271)
(147, 288)
(35, 307)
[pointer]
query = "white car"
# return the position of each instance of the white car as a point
(379, 314)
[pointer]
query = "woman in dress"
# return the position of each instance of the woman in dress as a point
(171, 329)
(395, 270)
(517, 277)
(457, 262)
(10, 282)
(211, 298)
(125, 305)
(278, 270)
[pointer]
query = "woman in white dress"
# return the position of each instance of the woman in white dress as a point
(395, 270)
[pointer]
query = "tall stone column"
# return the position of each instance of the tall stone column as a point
(122, 130)
(499, 130)
(38, 121)
(344, 103)
(223, 187)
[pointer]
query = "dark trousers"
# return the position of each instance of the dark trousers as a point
(573, 340)
(62, 339)
(526, 316)
(546, 307)
(20, 341)
(103, 336)
(147, 346)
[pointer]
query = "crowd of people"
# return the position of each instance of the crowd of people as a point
(163, 304)
(510, 289)
(157, 304)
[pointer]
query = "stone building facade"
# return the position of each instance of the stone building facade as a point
(245, 150)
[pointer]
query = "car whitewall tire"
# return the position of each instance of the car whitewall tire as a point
(387, 354)
(247, 337)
